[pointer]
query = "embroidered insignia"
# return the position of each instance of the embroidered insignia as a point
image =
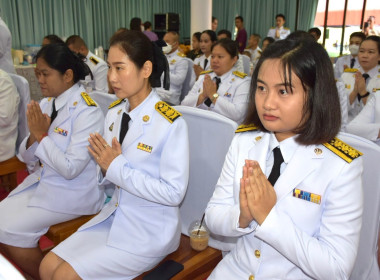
(350, 70)
(206, 72)
(60, 131)
(227, 94)
(173, 61)
(111, 127)
(258, 138)
(167, 112)
(144, 147)
(49, 98)
(89, 101)
(75, 103)
(315, 198)
(118, 112)
(181, 54)
(94, 60)
(116, 102)
(347, 86)
(233, 79)
(246, 127)
(318, 151)
(239, 74)
(342, 150)
(146, 118)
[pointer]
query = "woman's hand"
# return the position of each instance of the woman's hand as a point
(245, 217)
(197, 69)
(261, 196)
(360, 84)
(209, 87)
(38, 122)
(102, 152)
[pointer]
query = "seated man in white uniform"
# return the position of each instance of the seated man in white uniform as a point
(279, 32)
(178, 67)
(97, 65)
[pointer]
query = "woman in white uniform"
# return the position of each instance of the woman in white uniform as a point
(303, 222)
(222, 90)
(64, 186)
(203, 63)
(360, 83)
(149, 167)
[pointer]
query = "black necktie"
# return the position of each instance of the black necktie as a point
(205, 64)
(365, 76)
(54, 113)
(352, 62)
(124, 127)
(208, 101)
(278, 159)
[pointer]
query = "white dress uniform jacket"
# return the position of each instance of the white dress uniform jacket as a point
(316, 236)
(367, 123)
(9, 101)
(233, 95)
(201, 60)
(255, 55)
(284, 32)
(151, 176)
(6, 62)
(99, 71)
(178, 67)
(341, 62)
(66, 182)
(348, 79)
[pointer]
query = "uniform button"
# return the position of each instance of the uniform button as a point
(38, 178)
(118, 187)
(117, 204)
(251, 277)
(257, 254)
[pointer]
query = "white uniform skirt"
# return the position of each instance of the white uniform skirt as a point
(91, 258)
(22, 225)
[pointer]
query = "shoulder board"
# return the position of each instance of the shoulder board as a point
(167, 111)
(350, 70)
(273, 27)
(116, 102)
(246, 127)
(286, 28)
(375, 89)
(342, 150)
(206, 72)
(181, 54)
(89, 101)
(239, 74)
(94, 60)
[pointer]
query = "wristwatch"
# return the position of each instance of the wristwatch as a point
(214, 97)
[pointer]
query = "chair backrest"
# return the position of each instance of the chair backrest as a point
(366, 266)
(23, 90)
(210, 135)
(189, 80)
(103, 99)
(246, 64)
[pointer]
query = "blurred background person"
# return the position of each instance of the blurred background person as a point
(280, 31)
(202, 63)
(241, 37)
(266, 41)
(214, 24)
(51, 39)
(371, 26)
(148, 31)
(136, 24)
(315, 32)
(195, 44)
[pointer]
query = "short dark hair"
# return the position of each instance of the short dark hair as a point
(197, 35)
(269, 39)
(360, 35)
(375, 39)
(75, 40)
(311, 64)
(282, 16)
(316, 30)
(239, 17)
(147, 25)
(140, 49)
(54, 39)
(211, 34)
(213, 18)
(300, 34)
(61, 58)
(135, 24)
(225, 31)
(229, 45)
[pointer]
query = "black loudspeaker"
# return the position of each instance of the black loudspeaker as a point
(166, 22)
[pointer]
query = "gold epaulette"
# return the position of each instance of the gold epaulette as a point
(116, 102)
(342, 150)
(286, 28)
(246, 127)
(181, 54)
(239, 74)
(350, 70)
(94, 60)
(206, 72)
(167, 111)
(89, 101)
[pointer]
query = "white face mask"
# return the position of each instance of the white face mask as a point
(167, 49)
(354, 49)
(142, 28)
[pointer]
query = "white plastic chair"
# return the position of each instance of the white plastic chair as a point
(23, 90)
(103, 99)
(189, 80)
(246, 64)
(210, 135)
(366, 266)
(8, 271)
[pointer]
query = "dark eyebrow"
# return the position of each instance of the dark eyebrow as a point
(280, 84)
(116, 63)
